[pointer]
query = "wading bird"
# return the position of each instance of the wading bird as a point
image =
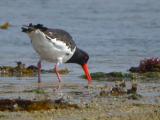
(57, 46)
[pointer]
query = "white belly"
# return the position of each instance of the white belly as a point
(51, 52)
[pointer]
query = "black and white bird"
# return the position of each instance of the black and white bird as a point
(56, 45)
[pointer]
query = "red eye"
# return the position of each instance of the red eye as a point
(86, 58)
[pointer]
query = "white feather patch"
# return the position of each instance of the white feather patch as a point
(52, 50)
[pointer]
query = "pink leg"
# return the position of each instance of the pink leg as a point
(58, 90)
(58, 75)
(39, 71)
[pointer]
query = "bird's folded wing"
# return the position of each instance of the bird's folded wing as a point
(60, 45)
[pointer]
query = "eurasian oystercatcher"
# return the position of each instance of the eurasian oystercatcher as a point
(56, 45)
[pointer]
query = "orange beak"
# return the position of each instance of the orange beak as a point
(87, 73)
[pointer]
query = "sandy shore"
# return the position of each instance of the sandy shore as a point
(98, 109)
(92, 107)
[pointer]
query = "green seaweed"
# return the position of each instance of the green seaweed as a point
(134, 96)
(39, 91)
(151, 74)
(119, 76)
(102, 76)
(97, 75)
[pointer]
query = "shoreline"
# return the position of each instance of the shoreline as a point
(92, 107)
(99, 109)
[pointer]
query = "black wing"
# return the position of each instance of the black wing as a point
(61, 35)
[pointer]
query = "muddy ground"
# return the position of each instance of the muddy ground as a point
(91, 104)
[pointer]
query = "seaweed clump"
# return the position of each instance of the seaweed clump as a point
(112, 76)
(5, 25)
(119, 89)
(147, 65)
(20, 70)
(29, 105)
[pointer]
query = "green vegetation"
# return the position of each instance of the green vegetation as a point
(39, 91)
(134, 96)
(112, 76)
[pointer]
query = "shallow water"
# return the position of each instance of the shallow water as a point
(117, 34)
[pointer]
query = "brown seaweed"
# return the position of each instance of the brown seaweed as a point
(147, 65)
(5, 25)
(20, 70)
(29, 105)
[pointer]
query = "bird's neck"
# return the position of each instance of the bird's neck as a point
(76, 57)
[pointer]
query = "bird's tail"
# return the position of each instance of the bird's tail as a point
(31, 27)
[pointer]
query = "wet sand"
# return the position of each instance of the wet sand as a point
(92, 106)
(100, 109)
